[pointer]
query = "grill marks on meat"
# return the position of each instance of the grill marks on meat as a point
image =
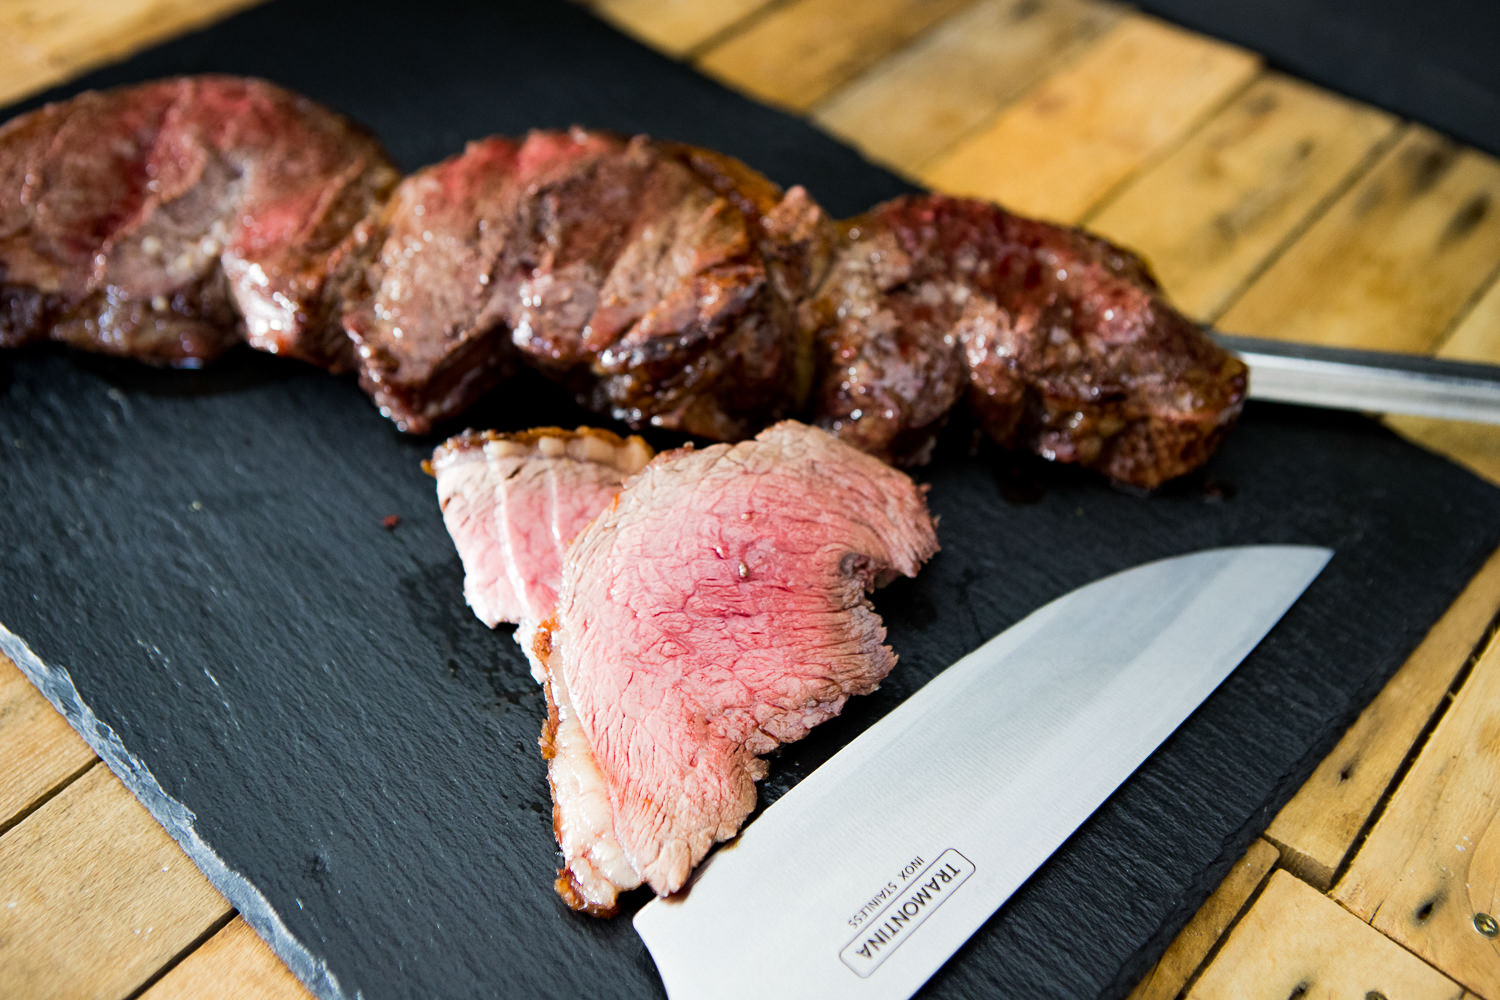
(656, 282)
(1061, 341)
(716, 610)
(165, 221)
(513, 503)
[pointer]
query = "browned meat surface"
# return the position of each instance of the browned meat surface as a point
(514, 502)
(663, 285)
(165, 221)
(716, 610)
(655, 282)
(1061, 341)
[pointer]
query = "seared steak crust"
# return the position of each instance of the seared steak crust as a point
(1062, 342)
(714, 611)
(657, 283)
(663, 285)
(168, 220)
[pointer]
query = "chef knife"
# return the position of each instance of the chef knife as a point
(865, 877)
(1373, 381)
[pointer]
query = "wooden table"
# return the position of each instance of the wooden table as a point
(1267, 206)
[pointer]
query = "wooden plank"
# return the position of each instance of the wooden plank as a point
(57, 39)
(914, 105)
(1394, 262)
(1187, 951)
(1214, 212)
(1428, 876)
(23, 68)
(234, 964)
(39, 750)
(1318, 827)
(797, 53)
(1296, 942)
(1476, 446)
(94, 896)
(676, 26)
(1067, 143)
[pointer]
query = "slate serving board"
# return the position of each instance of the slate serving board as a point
(197, 574)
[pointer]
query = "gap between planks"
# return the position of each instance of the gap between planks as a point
(1318, 829)
(1428, 874)
(42, 753)
(95, 896)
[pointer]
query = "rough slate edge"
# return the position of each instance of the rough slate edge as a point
(57, 687)
(146, 786)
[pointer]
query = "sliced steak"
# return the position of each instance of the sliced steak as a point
(513, 503)
(716, 610)
(167, 220)
(658, 283)
(1061, 341)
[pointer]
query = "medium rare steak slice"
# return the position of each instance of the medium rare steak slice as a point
(657, 282)
(716, 610)
(513, 503)
(165, 221)
(1061, 341)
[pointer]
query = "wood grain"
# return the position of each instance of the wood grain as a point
(38, 750)
(43, 42)
(1394, 262)
(1317, 829)
(797, 53)
(1213, 213)
(911, 107)
(94, 896)
(676, 26)
(1067, 143)
(234, 964)
(1187, 951)
(1428, 876)
(1476, 446)
(1296, 942)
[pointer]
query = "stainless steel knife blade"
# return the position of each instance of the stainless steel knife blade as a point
(864, 878)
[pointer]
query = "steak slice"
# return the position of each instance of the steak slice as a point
(716, 610)
(513, 503)
(1062, 342)
(657, 282)
(165, 221)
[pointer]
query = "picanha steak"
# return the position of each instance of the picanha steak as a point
(514, 502)
(714, 611)
(661, 284)
(169, 220)
(656, 282)
(1061, 342)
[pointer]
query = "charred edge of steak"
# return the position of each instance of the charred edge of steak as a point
(541, 646)
(584, 444)
(457, 382)
(187, 329)
(26, 315)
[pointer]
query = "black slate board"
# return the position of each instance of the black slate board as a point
(197, 565)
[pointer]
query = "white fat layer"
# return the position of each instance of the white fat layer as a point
(584, 819)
